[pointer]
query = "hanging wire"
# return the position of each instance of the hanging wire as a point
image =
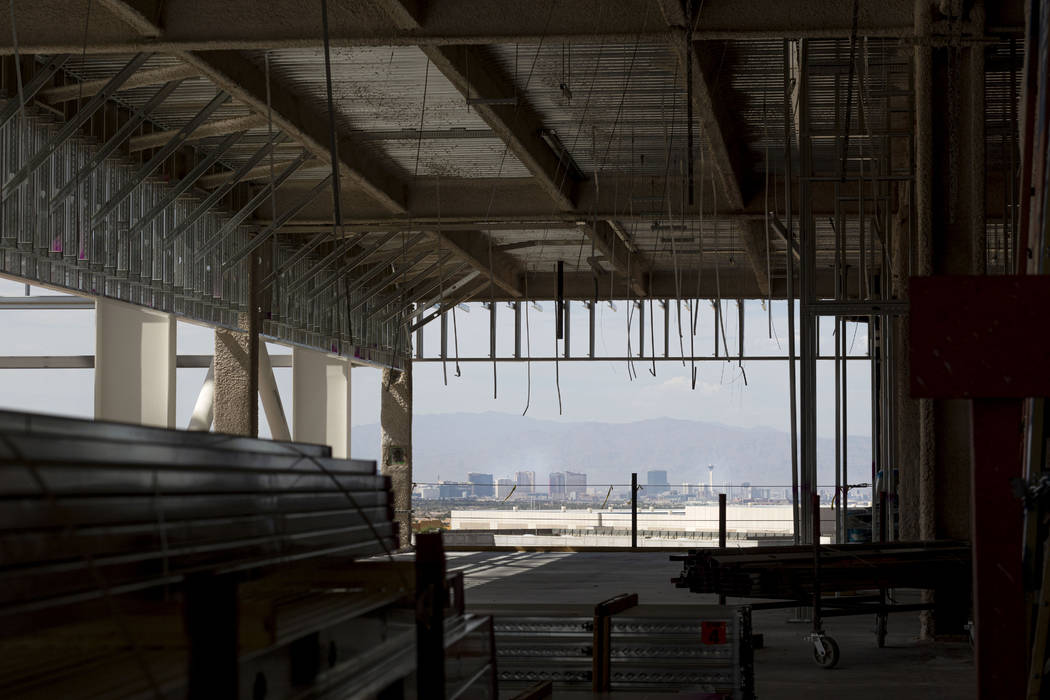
(273, 176)
(849, 90)
(333, 154)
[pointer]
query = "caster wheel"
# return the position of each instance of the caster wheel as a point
(880, 630)
(826, 652)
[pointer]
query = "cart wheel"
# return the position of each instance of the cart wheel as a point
(830, 656)
(880, 630)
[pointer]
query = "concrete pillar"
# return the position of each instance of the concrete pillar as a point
(950, 217)
(956, 246)
(396, 443)
(321, 400)
(134, 364)
(906, 408)
(236, 385)
(237, 356)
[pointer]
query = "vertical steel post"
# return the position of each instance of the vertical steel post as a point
(492, 329)
(634, 510)
(666, 304)
(211, 630)
(419, 337)
(517, 330)
(444, 335)
(559, 302)
(591, 306)
(817, 624)
(430, 615)
(718, 322)
(566, 326)
(641, 328)
(792, 388)
(721, 534)
(807, 265)
(740, 327)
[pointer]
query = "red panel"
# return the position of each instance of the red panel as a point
(980, 336)
(998, 530)
(713, 632)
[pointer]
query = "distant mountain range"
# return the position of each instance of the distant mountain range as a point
(447, 446)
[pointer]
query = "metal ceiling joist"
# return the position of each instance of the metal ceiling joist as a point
(42, 76)
(88, 88)
(270, 230)
(245, 211)
(221, 127)
(159, 157)
(212, 199)
(79, 119)
(236, 74)
(128, 26)
(259, 172)
(110, 147)
(416, 285)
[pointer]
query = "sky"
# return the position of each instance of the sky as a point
(600, 391)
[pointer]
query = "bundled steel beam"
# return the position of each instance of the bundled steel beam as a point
(92, 509)
(787, 572)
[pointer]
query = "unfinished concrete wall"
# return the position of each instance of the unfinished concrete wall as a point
(396, 444)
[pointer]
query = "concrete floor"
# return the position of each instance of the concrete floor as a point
(904, 669)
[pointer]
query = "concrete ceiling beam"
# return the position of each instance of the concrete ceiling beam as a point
(759, 252)
(472, 70)
(732, 282)
(478, 251)
(464, 204)
(122, 26)
(234, 73)
(715, 122)
(246, 82)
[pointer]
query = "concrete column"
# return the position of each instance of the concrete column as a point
(906, 408)
(134, 364)
(321, 400)
(237, 357)
(957, 242)
(950, 217)
(236, 385)
(396, 443)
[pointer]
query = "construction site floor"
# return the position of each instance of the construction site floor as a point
(905, 668)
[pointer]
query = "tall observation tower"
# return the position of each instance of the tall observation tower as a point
(711, 479)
